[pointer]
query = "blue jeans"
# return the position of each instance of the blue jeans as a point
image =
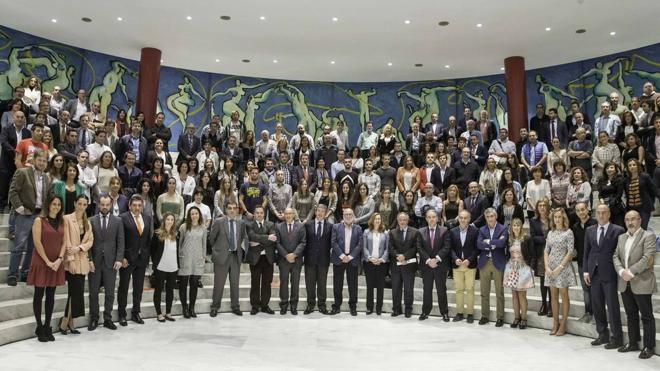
(586, 293)
(22, 244)
(12, 221)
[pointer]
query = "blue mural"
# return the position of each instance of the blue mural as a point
(187, 96)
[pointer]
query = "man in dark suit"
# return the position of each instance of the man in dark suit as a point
(435, 127)
(261, 256)
(462, 123)
(442, 176)
(539, 123)
(188, 145)
(556, 128)
(73, 104)
(317, 259)
(466, 171)
(434, 264)
(478, 152)
(107, 253)
(600, 243)
(492, 244)
(476, 203)
(464, 253)
(228, 240)
(9, 138)
(70, 148)
(134, 142)
(304, 171)
(404, 243)
(345, 257)
(291, 241)
(138, 231)
(415, 140)
(158, 131)
(233, 151)
(398, 156)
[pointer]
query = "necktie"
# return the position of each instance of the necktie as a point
(305, 173)
(432, 240)
(404, 234)
(83, 138)
(259, 224)
(190, 141)
(318, 229)
(104, 225)
(554, 129)
(232, 240)
(289, 228)
(138, 225)
(602, 235)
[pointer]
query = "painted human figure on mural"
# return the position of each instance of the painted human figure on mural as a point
(252, 106)
(363, 104)
(112, 79)
(477, 97)
(554, 97)
(332, 120)
(654, 77)
(299, 108)
(500, 108)
(180, 102)
(58, 72)
(601, 72)
(427, 100)
(232, 104)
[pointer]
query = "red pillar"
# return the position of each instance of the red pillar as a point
(516, 95)
(147, 91)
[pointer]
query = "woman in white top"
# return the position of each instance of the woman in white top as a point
(557, 154)
(375, 258)
(223, 195)
(356, 159)
(489, 179)
(279, 134)
(198, 196)
(103, 172)
(164, 256)
(603, 153)
(536, 189)
(32, 95)
(579, 190)
(185, 183)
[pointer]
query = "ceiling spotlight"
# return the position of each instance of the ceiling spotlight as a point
(262, 18)
(120, 19)
(335, 19)
(332, 62)
(274, 60)
(612, 33)
(418, 65)
(501, 68)
(161, 61)
(479, 25)
(407, 21)
(225, 17)
(86, 19)
(548, 29)
(217, 60)
(443, 23)
(447, 66)
(580, 30)
(389, 64)
(245, 61)
(54, 20)
(189, 18)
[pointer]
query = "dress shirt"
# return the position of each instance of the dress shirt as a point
(348, 232)
(463, 235)
(168, 261)
(81, 109)
(39, 185)
(375, 253)
(605, 226)
(627, 248)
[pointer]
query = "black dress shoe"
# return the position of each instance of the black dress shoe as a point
(109, 325)
(470, 318)
(423, 316)
(396, 313)
(353, 312)
(74, 331)
(543, 310)
(122, 321)
(192, 313)
(294, 311)
(630, 347)
(334, 310)
(445, 317)
(267, 310)
(369, 311)
(408, 314)
(185, 311)
(135, 317)
(499, 323)
(283, 310)
(614, 344)
(323, 310)
(48, 332)
(379, 312)
(237, 312)
(599, 341)
(458, 317)
(169, 318)
(214, 312)
(93, 324)
(483, 321)
(254, 311)
(41, 335)
(309, 310)
(646, 353)
(12, 281)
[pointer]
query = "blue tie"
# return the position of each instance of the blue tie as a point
(232, 239)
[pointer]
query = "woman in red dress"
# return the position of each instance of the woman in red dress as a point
(46, 269)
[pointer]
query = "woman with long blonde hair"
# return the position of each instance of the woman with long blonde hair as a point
(517, 273)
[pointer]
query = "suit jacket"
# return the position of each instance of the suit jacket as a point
(300, 174)
(481, 155)
(8, 141)
(125, 144)
(640, 262)
(496, 246)
(260, 235)
(317, 252)
(476, 209)
(219, 240)
(138, 247)
(441, 184)
(368, 246)
(465, 174)
(293, 242)
(72, 106)
(407, 247)
(468, 250)
(186, 151)
(338, 244)
(492, 132)
(409, 141)
(55, 130)
(439, 127)
(600, 256)
(647, 191)
(22, 191)
(108, 246)
(518, 212)
(562, 133)
(440, 246)
(69, 152)
(157, 248)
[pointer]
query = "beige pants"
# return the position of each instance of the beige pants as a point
(464, 285)
(486, 274)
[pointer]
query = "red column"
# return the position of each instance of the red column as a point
(516, 95)
(147, 91)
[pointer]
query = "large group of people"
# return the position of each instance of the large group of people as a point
(93, 197)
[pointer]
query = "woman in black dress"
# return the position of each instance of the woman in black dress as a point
(344, 200)
(633, 150)
(158, 177)
(452, 206)
(539, 226)
(610, 192)
(408, 207)
(640, 191)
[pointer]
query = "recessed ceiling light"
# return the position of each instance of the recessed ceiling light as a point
(161, 61)
(245, 61)
(332, 62)
(189, 18)
(217, 60)
(501, 68)
(335, 19)
(262, 18)
(389, 63)
(447, 66)
(120, 19)
(418, 65)
(407, 21)
(580, 30)
(225, 17)
(548, 29)
(86, 19)
(479, 25)
(443, 23)
(612, 33)
(54, 20)
(274, 60)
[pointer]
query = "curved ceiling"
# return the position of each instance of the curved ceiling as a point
(370, 40)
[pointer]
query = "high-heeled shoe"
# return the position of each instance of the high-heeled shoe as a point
(523, 324)
(549, 312)
(48, 333)
(63, 331)
(543, 310)
(515, 323)
(185, 311)
(73, 330)
(555, 328)
(562, 329)
(41, 336)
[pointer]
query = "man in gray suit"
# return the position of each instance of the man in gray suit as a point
(228, 240)
(633, 262)
(291, 241)
(107, 253)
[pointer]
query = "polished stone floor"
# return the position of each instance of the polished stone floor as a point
(314, 342)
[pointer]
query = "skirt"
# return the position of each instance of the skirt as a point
(518, 277)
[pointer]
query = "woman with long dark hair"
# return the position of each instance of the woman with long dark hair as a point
(223, 195)
(539, 226)
(344, 200)
(164, 253)
(375, 258)
(363, 205)
(387, 209)
(326, 195)
(610, 192)
(56, 167)
(640, 191)
(68, 188)
(192, 250)
(121, 124)
(158, 177)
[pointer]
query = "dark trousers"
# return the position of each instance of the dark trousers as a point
(125, 275)
(102, 276)
(261, 277)
(289, 273)
(403, 281)
(188, 296)
(5, 180)
(316, 281)
(634, 305)
(338, 284)
(586, 293)
(605, 293)
(438, 276)
(375, 280)
(166, 280)
(75, 301)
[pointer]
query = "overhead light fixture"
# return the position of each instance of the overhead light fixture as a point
(225, 17)
(161, 61)
(447, 66)
(389, 64)
(274, 60)
(580, 30)
(54, 20)
(407, 21)
(245, 61)
(86, 19)
(332, 62)
(479, 25)
(120, 19)
(189, 18)
(217, 60)
(501, 68)
(548, 29)
(419, 65)
(612, 33)
(443, 23)
(262, 18)
(335, 19)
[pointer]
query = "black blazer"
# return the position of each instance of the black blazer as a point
(439, 183)
(157, 247)
(186, 152)
(409, 141)
(8, 141)
(440, 246)
(646, 191)
(482, 155)
(138, 247)
(538, 238)
(317, 252)
(517, 213)
(383, 147)
(260, 235)
(600, 256)
(407, 247)
(468, 250)
(465, 174)
(476, 209)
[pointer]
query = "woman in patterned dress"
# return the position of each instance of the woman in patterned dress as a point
(517, 273)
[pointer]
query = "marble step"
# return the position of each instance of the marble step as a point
(23, 328)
